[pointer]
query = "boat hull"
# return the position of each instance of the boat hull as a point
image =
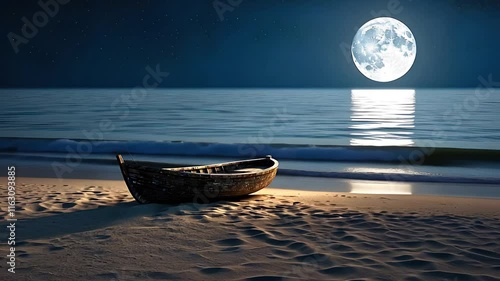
(201, 184)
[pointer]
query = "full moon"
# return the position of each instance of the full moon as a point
(384, 49)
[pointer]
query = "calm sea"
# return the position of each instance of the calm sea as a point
(336, 131)
(445, 118)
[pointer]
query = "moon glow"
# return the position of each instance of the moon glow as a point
(384, 49)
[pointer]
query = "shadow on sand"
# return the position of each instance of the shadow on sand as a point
(60, 224)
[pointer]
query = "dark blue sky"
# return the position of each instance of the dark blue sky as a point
(260, 43)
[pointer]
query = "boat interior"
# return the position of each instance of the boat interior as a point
(240, 167)
(225, 170)
(233, 168)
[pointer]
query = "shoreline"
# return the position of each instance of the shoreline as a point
(31, 170)
(364, 182)
(406, 201)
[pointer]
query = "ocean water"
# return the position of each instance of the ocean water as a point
(445, 135)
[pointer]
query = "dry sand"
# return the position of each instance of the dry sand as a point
(93, 230)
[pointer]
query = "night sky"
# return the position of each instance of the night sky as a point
(260, 43)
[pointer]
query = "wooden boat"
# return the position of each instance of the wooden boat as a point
(150, 182)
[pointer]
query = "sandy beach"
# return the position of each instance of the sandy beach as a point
(93, 230)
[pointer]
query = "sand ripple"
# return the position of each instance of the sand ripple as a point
(101, 234)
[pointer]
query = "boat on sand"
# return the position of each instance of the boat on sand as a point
(151, 182)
